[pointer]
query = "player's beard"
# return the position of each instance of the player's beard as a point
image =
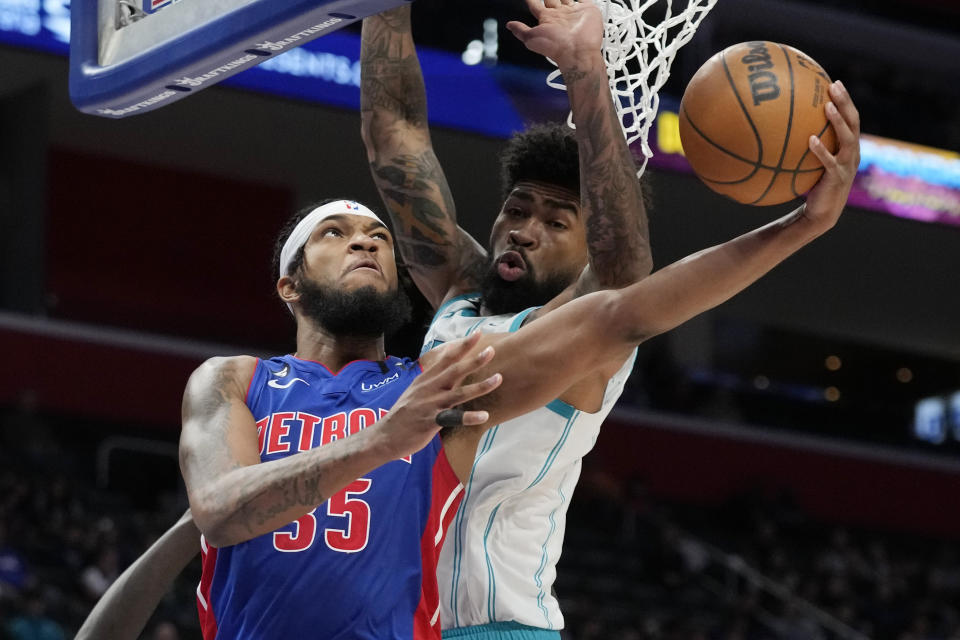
(501, 296)
(363, 312)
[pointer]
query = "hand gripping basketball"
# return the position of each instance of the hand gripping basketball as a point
(826, 200)
(429, 403)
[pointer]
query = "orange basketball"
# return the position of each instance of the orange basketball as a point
(745, 120)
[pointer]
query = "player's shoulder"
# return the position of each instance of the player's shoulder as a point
(221, 370)
(460, 301)
(229, 364)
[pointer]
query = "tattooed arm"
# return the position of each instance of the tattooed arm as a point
(441, 257)
(234, 497)
(611, 199)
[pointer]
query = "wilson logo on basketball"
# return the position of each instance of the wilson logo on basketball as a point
(763, 82)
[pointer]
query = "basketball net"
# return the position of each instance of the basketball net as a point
(638, 57)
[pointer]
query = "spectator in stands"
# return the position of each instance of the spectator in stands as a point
(13, 567)
(33, 623)
(98, 577)
(165, 631)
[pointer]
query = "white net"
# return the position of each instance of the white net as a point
(639, 54)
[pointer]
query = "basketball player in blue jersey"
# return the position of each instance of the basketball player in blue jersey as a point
(573, 223)
(318, 479)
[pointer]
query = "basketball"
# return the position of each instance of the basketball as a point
(746, 118)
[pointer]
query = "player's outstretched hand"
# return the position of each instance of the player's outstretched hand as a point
(567, 32)
(412, 422)
(826, 200)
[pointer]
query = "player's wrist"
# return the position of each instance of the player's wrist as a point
(379, 442)
(581, 63)
(812, 223)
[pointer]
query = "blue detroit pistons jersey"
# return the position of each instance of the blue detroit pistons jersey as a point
(363, 563)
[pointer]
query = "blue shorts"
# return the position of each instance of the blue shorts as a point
(501, 631)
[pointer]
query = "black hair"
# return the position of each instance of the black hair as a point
(544, 153)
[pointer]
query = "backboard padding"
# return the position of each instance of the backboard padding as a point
(189, 45)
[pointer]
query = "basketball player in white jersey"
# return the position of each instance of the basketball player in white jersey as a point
(554, 240)
(568, 226)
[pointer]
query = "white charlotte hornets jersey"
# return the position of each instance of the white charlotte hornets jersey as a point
(499, 560)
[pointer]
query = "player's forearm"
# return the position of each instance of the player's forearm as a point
(611, 196)
(254, 500)
(123, 611)
(392, 92)
(699, 282)
(595, 333)
(403, 164)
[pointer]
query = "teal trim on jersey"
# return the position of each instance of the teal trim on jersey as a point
(538, 576)
(474, 327)
(520, 317)
(457, 551)
(562, 409)
(443, 307)
(491, 579)
(433, 345)
(556, 448)
(501, 631)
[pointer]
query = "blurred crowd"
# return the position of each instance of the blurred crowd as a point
(63, 541)
(754, 568)
(634, 567)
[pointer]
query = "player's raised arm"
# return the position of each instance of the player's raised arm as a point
(234, 497)
(123, 611)
(439, 255)
(570, 33)
(596, 332)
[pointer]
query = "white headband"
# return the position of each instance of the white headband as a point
(301, 232)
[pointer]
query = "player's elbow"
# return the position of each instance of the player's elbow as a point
(367, 134)
(210, 518)
(383, 136)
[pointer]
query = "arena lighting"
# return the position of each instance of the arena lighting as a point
(485, 50)
(953, 415)
(930, 420)
(473, 54)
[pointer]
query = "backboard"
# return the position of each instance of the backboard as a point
(132, 56)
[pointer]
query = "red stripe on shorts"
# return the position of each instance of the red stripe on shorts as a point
(447, 493)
